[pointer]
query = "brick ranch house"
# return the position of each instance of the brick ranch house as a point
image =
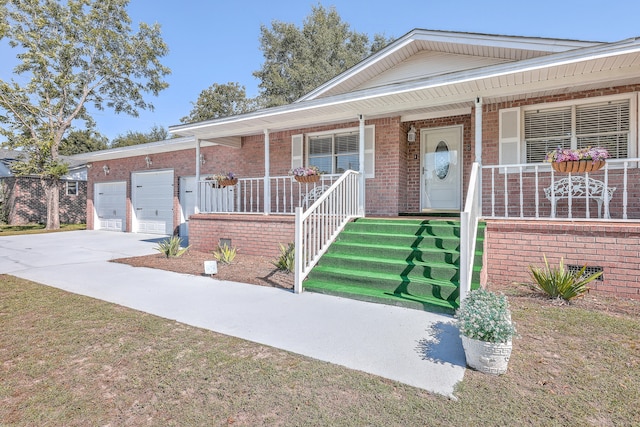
(22, 198)
(414, 121)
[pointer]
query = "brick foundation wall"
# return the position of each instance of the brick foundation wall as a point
(511, 246)
(250, 234)
(24, 202)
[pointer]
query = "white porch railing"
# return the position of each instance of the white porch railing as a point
(518, 192)
(469, 231)
(247, 196)
(319, 225)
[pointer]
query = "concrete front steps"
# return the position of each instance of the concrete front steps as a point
(406, 262)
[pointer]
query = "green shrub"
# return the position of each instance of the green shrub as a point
(485, 316)
(225, 254)
(287, 258)
(558, 282)
(170, 247)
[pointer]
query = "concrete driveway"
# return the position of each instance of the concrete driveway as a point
(413, 347)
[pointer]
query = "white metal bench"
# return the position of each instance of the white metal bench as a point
(313, 195)
(579, 188)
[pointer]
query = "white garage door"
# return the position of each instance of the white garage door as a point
(152, 197)
(110, 205)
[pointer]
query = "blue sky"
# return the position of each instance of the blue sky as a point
(217, 41)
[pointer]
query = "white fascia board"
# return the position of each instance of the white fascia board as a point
(510, 42)
(136, 150)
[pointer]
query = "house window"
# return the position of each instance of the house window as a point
(334, 153)
(604, 124)
(72, 188)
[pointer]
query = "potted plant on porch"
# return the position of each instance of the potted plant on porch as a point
(486, 330)
(587, 159)
(224, 179)
(306, 174)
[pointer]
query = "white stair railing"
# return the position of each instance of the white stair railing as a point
(319, 225)
(469, 231)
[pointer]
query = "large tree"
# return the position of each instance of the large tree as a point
(72, 54)
(297, 60)
(220, 101)
(83, 141)
(156, 133)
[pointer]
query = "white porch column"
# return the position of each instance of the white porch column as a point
(479, 148)
(197, 207)
(479, 130)
(361, 193)
(267, 179)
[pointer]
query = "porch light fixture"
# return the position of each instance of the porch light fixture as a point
(202, 159)
(411, 135)
(148, 161)
(105, 168)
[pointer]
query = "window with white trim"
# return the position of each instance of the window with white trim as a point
(602, 124)
(334, 153)
(72, 188)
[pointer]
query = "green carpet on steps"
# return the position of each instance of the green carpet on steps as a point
(409, 262)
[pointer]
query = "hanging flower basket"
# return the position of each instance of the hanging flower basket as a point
(307, 178)
(566, 160)
(227, 182)
(577, 166)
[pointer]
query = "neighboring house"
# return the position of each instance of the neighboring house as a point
(413, 119)
(22, 199)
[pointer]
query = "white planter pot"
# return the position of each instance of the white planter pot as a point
(487, 357)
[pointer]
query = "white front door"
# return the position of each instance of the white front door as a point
(440, 186)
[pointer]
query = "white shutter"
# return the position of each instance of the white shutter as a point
(297, 148)
(370, 151)
(509, 136)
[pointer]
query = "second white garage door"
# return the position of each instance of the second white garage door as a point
(152, 194)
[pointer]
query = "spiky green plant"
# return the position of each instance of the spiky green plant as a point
(225, 254)
(171, 247)
(558, 282)
(286, 260)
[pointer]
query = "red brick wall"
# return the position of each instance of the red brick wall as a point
(386, 193)
(250, 234)
(24, 202)
(511, 246)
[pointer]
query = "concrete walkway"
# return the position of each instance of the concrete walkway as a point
(413, 347)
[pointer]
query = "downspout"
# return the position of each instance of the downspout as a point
(267, 179)
(361, 193)
(197, 207)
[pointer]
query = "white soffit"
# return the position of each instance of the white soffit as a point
(489, 47)
(463, 111)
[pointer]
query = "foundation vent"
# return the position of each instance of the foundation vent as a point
(587, 272)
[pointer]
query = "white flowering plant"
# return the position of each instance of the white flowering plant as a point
(224, 176)
(302, 171)
(485, 316)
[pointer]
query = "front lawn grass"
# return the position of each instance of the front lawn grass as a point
(13, 230)
(75, 361)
